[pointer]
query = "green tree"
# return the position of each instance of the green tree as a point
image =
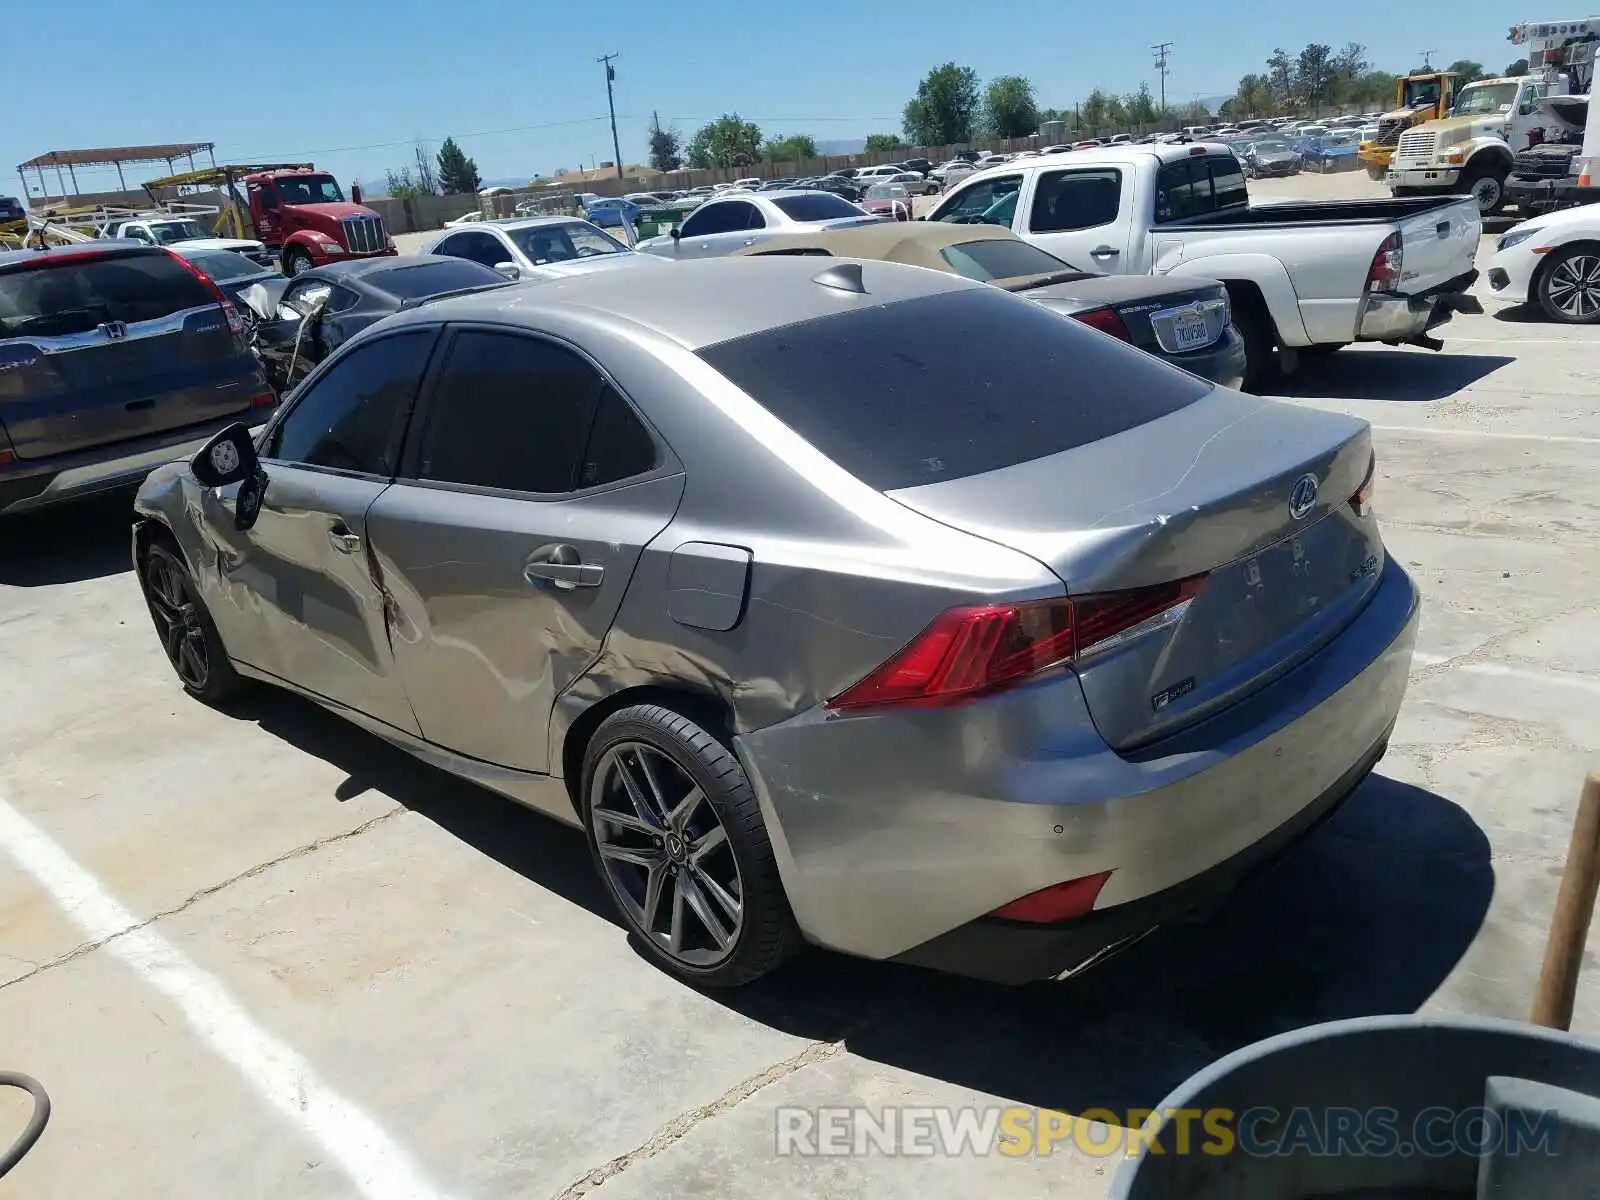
(1095, 111)
(1314, 73)
(1466, 70)
(945, 108)
(1254, 96)
(878, 142)
(458, 174)
(1280, 72)
(1351, 63)
(726, 142)
(666, 149)
(794, 148)
(1009, 109)
(1140, 107)
(1518, 67)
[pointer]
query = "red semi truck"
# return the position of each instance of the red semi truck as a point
(297, 210)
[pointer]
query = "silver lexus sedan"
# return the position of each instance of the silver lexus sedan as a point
(841, 603)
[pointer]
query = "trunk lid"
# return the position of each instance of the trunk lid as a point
(99, 350)
(1165, 314)
(1215, 489)
(1438, 246)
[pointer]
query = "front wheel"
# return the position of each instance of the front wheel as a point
(677, 835)
(188, 635)
(1569, 287)
(1486, 185)
(295, 260)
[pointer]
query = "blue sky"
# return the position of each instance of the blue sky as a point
(519, 87)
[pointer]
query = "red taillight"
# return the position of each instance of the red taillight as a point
(974, 650)
(1361, 499)
(263, 400)
(1105, 320)
(1384, 273)
(235, 324)
(1058, 902)
(7, 458)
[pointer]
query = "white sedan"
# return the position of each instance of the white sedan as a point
(537, 247)
(1551, 261)
(726, 224)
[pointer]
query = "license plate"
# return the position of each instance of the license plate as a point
(1189, 330)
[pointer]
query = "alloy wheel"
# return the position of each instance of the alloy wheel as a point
(1574, 286)
(178, 621)
(666, 854)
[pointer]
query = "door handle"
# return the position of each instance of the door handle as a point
(1105, 252)
(342, 540)
(561, 565)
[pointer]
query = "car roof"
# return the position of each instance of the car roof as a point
(698, 302)
(1121, 154)
(355, 268)
(510, 223)
(111, 247)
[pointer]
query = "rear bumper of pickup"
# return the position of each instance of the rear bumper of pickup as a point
(1396, 319)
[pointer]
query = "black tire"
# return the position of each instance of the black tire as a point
(1485, 184)
(1261, 366)
(295, 260)
(184, 626)
(647, 740)
(1568, 288)
(1322, 350)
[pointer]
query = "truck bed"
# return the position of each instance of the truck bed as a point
(1317, 212)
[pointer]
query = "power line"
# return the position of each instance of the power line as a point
(1160, 49)
(611, 104)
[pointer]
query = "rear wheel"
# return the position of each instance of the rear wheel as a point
(678, 838)
(295, 260)
(187, 633)
(1262, 368)
(1569, 286)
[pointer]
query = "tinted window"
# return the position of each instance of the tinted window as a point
(75, 297)
(746, 216)
(481, 248)
(619, 447)
(1227, 181)
(714, 218)
(433, 279)
(225, 264)
(973, 205)
(509, 412)
(1175, 191)
(351, 418)
(898, 396)
(820, 206)
(1000, 258)
(1065, 200)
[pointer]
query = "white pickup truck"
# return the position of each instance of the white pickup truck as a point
(191, 235)
(1304, 277)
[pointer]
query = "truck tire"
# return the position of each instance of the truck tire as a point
(1485, 183)
(295, 260)
(1262, 368)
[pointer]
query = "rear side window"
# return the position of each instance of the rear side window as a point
(820, 206)
(1195, 186)
(619, 448)
(75, 297)
(509, 412)
(950, 385)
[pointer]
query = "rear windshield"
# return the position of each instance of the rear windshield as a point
(225, 265)
(75, 297)
(434, 279)
(949, 385)
(1001, 258)
(818, 206)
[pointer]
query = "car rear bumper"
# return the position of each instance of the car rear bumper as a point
(1222, 362)
(27, 484)
(897, 835)
(1390, 317)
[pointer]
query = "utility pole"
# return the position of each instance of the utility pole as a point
(1160, 49)
(611, 74)
(1427, 60)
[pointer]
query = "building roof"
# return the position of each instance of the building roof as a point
(108, 156)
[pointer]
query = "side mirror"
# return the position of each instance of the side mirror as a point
(509, 269)
(676, 233)
(355, 193)
(230, 457)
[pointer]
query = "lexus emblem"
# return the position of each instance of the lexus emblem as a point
(1303, 497)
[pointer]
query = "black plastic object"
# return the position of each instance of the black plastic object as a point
(36, 1123)
(1398, 1077)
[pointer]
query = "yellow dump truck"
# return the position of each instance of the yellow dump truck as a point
(1417, 98)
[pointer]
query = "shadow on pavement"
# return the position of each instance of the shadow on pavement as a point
(85, 539)
(1368, 915)
(1404, 375)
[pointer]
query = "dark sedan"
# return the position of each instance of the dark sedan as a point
(231, 271)
(1271, 157)
(1185, 321)
(303, 320)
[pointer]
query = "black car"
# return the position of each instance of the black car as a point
(335, 302)
(11, 209)
(115, 357)
(849, 189)
(230, 270)
(920, 165)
